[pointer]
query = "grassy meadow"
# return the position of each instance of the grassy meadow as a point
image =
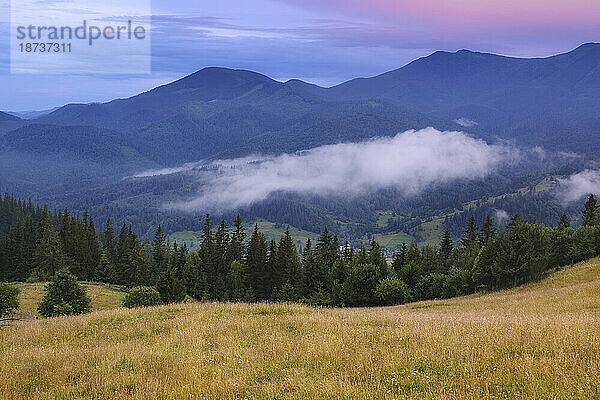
(539, 341)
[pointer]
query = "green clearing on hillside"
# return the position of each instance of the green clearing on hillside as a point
(271, 230)
(103, 297)
(393, 240)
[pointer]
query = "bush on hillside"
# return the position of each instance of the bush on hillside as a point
(392, 291)
(9, 298)
(142, 296)
(64, 296)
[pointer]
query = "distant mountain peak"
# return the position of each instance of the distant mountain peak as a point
(217, 76)
(589, 46)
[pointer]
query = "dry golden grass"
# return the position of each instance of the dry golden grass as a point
(102, 297)
(541, 341)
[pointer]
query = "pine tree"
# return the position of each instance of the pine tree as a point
(48, 255)
(160, 252)
(109, 243)
(400, 258)
(446, 247)
(590, 212)
(470, 235)
(171, 289)
(64, 296)
(256, 265)
(105, 271)
(564, 222)
(487, 232)
(236, 245)
(221, 260)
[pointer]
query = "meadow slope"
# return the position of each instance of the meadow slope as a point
(540, 341)
(102, 297)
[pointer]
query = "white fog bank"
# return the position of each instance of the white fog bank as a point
(410, 161)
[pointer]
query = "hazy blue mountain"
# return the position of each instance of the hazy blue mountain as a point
(32, 114)
(9, 122)
(218, 111)
(552, 102)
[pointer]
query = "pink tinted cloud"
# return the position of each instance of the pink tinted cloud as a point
(494, 12)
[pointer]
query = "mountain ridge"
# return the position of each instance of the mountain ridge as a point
(551, 102)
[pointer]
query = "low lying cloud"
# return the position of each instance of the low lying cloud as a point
(575, 187)
(501, 216)
(410, 162)
(467, 123)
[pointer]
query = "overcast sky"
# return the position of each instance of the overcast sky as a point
(321, 41)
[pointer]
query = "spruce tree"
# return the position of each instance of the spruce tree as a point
(377, 259)
(236, 282)
(238, 236)
(446, 246)
(207, 257)
(564, 222)
(400, 258)
(256, 265)
(64, 296)
(221, 260)
(308, 285)
(110, 243)
(590, 212)
(105, 271)
(171, 289)
(325, 255)
(160, 252)
(48, 255)
(487, 232)
(470, 235)
(288, 267)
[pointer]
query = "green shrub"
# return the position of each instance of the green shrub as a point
(34, 277)
(392, 291)
(142, 296)
(64, 296)
(9, 298)
(63, 309)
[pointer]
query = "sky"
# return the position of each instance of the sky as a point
(324, 42)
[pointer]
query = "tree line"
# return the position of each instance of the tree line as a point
(232, 267)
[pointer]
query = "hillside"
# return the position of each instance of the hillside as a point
(103, 297)
(537, 341)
